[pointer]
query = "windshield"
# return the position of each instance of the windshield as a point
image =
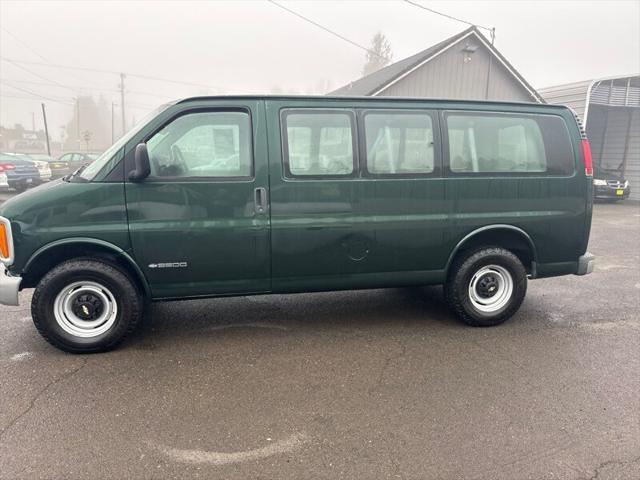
(91, 170)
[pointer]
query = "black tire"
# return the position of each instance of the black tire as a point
(116, 286)
(462, 273)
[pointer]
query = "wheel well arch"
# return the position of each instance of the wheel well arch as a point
(508, 237)
(52, 254)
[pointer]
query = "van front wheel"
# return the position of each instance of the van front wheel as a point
(85, 306)
(486, 287)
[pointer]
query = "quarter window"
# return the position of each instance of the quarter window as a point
(399, 143)
(319, 143)
(205, 144)
(508, 143)
(495, 144)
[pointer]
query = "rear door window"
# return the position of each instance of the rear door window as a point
(318, 143)
(480, 143)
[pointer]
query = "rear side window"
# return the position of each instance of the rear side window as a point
(319, 143)
(399, 143)
(506, 143)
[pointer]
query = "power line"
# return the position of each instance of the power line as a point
(492, 30)
(86, 88)
(129, 74)
(335, 34)
(37, 95)
(51, 84)
(15, 64)
(22, 97)
(25, 45)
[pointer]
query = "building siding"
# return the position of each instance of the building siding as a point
(613, 129)
(449, 76)
(633, 155)
(611, 137)
(573, 95)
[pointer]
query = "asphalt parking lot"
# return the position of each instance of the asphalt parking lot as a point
(369, 384)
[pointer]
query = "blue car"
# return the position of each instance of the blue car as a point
(21, 173)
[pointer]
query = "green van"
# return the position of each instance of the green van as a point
(219, 196)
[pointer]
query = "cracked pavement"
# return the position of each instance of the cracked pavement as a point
(371, 384)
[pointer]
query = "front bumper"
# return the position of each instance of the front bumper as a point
(586, 263)
(58, 173)
(9, 287)
(605, 191)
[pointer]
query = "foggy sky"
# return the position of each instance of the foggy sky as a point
(253, 46)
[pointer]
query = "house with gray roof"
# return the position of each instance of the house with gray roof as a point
(464, 66)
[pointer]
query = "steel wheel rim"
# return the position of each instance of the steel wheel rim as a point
(490, 288)
(85, 309)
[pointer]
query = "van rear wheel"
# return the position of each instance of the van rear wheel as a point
(486, 287)
(86, 306)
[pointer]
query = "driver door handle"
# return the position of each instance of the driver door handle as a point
(260, 199)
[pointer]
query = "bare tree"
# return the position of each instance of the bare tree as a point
(379, 54)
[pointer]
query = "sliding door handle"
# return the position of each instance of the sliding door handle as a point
(260, 199)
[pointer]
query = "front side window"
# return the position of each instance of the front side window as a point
(399, 143)
(319, 143)
(495, 144)
(203, 144)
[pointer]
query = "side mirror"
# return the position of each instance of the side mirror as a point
(143, 167)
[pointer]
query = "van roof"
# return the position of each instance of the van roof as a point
(346, 99)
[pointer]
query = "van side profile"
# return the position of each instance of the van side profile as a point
(219, 196)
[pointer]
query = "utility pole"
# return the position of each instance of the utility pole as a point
(124, 125)
(78, 120)
(46, 129)
(113, 105)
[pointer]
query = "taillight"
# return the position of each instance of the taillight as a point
(7, 166)
(588, 161)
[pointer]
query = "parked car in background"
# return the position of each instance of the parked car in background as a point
(58, 168)
(609, 184)
(4, 183)
(20, 171)
(43, 166)
(75, 160)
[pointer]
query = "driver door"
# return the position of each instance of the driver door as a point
(199, 224)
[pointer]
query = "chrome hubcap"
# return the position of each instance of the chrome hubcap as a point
(85, 309)
(490, 288)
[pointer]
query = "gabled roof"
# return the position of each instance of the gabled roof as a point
(379, 80)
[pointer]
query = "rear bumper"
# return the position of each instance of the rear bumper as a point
(586, 263)
(24, 181)
(9, 287)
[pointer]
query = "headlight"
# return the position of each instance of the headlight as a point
(599, 183)
(626, 183)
